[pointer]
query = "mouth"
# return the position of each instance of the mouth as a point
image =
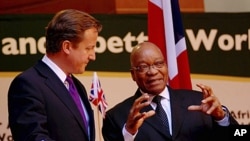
(154, 81)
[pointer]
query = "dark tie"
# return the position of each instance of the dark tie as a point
(76, 97)
(160, 112)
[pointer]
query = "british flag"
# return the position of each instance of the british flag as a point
(97, 96)
(165, 29)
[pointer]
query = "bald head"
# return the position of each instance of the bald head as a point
(144, 48)
(148, 68)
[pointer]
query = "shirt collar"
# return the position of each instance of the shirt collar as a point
(164, 94)
(58, 71)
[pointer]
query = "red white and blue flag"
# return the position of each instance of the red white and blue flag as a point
(97, 96)
(165, 29)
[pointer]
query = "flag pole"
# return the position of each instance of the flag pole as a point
(99, 125)
(98, 99)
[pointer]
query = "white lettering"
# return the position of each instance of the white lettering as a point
(101, 45)
(6, 137)
(226, 42)
(240, 132)
(238, 41)
(128, 39)
(115, 44)
(249, 39)
(2, 137)
(23, 42)
(141, 38)
(10, 46)
(201, 37)
(41, 45)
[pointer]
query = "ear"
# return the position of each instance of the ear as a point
(66, 46)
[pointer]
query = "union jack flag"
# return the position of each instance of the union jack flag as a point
(97, 96)
(165, 29)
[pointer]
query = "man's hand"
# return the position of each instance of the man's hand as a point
(210, 104)
(135, 117)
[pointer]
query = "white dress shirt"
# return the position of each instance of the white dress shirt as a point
(165, 101)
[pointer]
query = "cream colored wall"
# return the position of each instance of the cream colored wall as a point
(227, 5)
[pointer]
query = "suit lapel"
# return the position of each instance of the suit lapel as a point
(155, 123)
(59, 89)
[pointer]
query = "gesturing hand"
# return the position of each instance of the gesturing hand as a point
(135, 117)
(210, 103)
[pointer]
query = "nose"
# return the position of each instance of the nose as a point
(152, 69)
(92, 56)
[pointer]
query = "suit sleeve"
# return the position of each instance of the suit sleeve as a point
(27, 118)
(110, 130)
(223, 132)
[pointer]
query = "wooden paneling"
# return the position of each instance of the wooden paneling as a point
(192, 5)
(53, 6)
(140, 6)
(90, 6)
(131, 6)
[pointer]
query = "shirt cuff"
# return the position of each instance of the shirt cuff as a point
(225, 120)
(127, 136)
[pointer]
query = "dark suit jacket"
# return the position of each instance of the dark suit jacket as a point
(186, 125)
(41, 108)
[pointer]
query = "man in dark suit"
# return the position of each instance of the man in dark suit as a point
(189, 115)
(40, 104)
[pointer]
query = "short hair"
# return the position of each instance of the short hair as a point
(68, 25)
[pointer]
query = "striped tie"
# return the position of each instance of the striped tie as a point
(160, 112)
